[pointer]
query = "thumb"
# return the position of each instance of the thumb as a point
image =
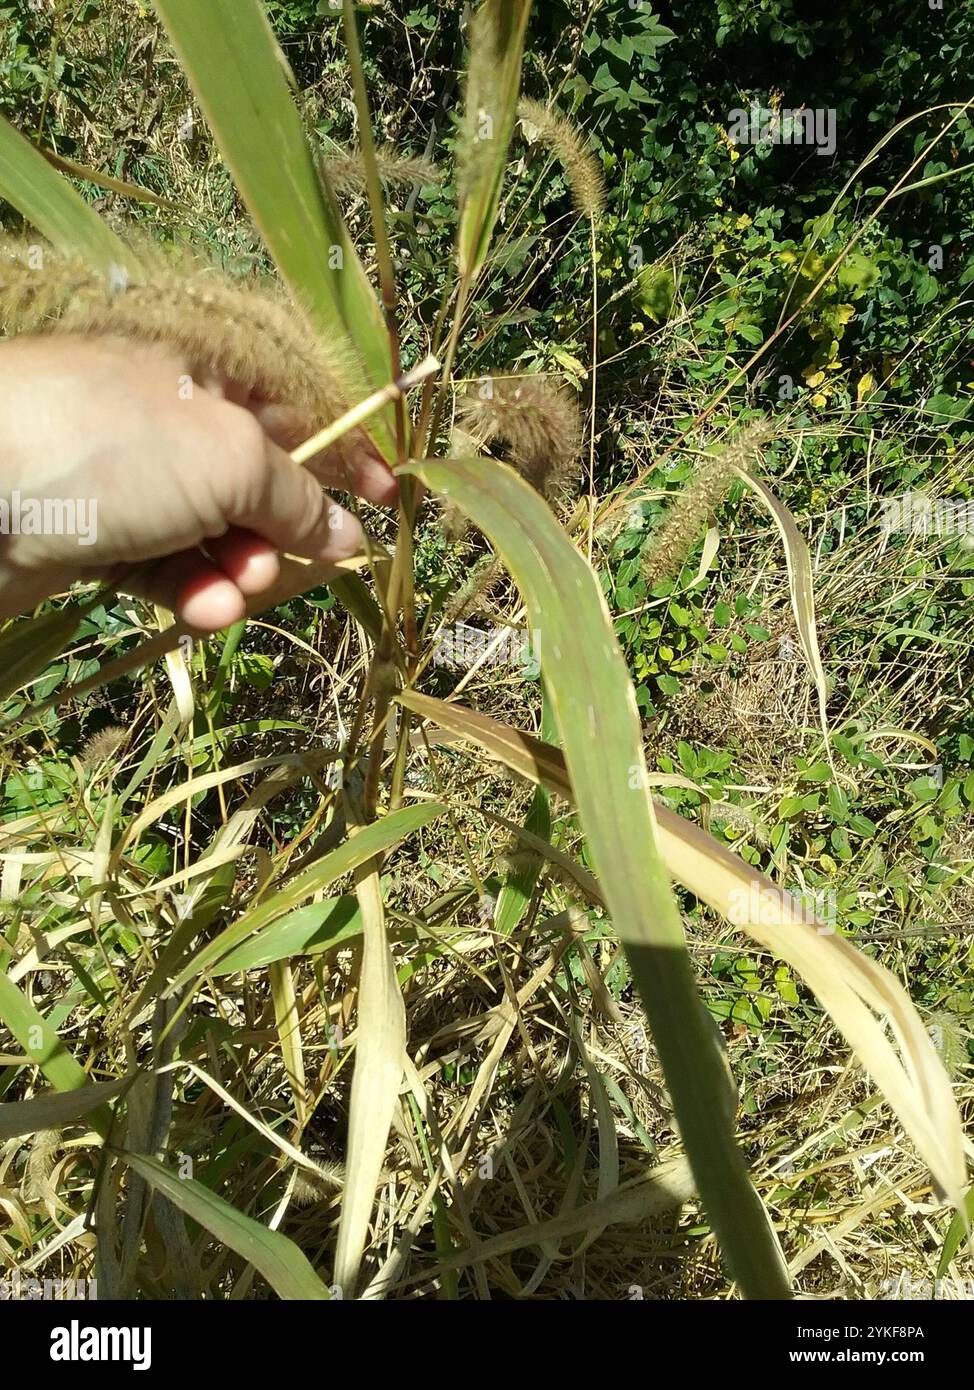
(281, 501)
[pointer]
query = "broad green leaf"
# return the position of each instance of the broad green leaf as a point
(43, 1046)
(237, 72)
(857, 273)
(594, 709)
(946, 409)
(306, 932)
(278, 1259)
(363, 845)
(493, 86)
(48, 201)
(655, 291)
(56, 1109)
(31, 644)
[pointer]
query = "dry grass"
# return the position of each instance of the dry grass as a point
(535, 1095)
(516, 1059)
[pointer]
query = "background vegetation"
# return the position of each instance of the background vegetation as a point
(704, 251)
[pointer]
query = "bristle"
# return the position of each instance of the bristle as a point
(250, 335)
(668, 547)
(582, 168)
(454, 524)
(312, 1186)
(35, 284)
(538, 422)
(346, 171)
(473, 590)
(36, 1184)
(240, 332)
(103, 745)
(949, 1039)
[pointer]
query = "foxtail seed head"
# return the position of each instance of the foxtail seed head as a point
(251, 335)
(539, 423)
(668, 547)
(582, 168)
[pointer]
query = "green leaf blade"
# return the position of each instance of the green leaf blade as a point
(373, 839)
(278, 1259)
(49, 202)
(595, 711)
(238, 74)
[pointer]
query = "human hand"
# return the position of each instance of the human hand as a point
(147, 457)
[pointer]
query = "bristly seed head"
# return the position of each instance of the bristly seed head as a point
(474, 590)
(103, 745)
(539, 422)
(582, 167)
(345, 169)
(251, 335)
(667, 549)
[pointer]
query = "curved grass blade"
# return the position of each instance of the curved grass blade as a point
(287, 1018)
(380, 1055)
(802, 589)
(594, 708)
(493, 85)
(515, 895)
(278, 1259)
(31, 644)
(234, 64)
(100, 180)
(354, 596)
(959, 1227)
(847, 983)
(306, 932)
(45, 1048)
(363, 845)
(54, 1110)
(296, 577)
(49, 203)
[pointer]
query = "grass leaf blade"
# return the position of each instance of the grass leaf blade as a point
(594, 708)
(278, 1259)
